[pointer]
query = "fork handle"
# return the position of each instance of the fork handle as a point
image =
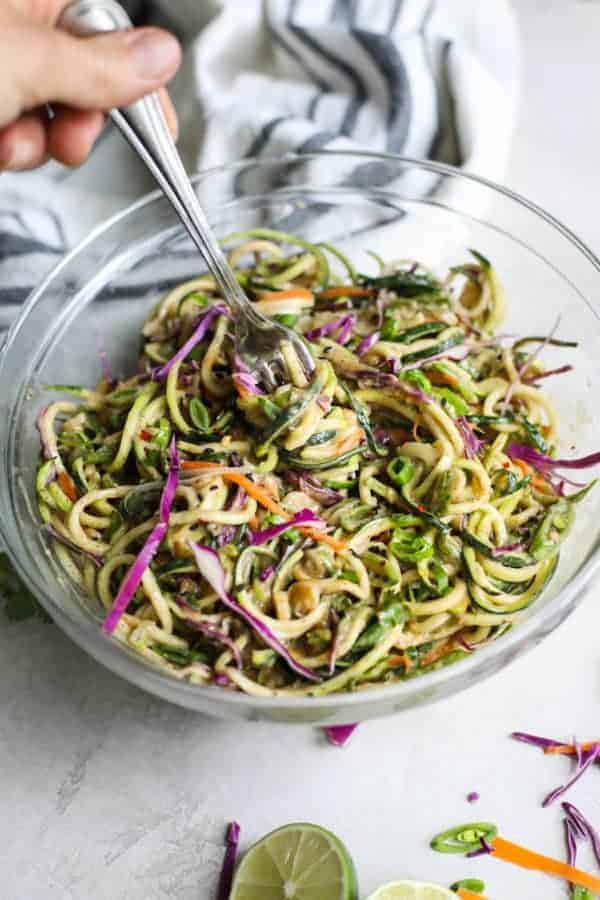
(144, 126)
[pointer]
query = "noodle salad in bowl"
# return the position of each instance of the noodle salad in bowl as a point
(386, 518)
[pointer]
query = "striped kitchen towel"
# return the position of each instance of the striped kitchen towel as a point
(423, 78)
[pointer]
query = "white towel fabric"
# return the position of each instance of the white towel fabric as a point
(424, 78)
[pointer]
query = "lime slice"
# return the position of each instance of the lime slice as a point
(412, 890)
(296, 862)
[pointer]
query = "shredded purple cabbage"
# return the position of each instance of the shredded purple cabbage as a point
(204, 323)
(211, 631)
(225, 536)
(584, 760)
(542, 346)
(571, 841)
(222, 680)
(209, 566)
(304, 517)
(107, 373)
(367, 342)
(247, 382)
(532, 379)
(535, 741)
(313, 488)
(232, 840)
(135, 573)
(471, 442)
(547, 464)
(267, 572)
(45, 448)
(472, 797)
(582, 827)
(503, 549)
(485, 849)
(343, 325)
(52, 531)
(339, 735)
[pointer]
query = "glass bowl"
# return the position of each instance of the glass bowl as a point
(394, 206)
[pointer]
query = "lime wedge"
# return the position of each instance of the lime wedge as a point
(296, 862)
(412, 890)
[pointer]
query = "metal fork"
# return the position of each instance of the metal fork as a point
(258, 339)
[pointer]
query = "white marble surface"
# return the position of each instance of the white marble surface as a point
(107, 793)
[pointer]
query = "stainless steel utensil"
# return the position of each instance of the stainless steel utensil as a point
(258, 339)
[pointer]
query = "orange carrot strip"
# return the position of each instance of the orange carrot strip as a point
(464, 894)
(290, 294)
(67, 486)
(146, 435)
(348, 290)
(569, 749)
(524, 467)
(263, 498)
(253, 522)
(351, 441)
(527, 859)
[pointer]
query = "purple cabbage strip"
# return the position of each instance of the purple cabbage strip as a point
(209, 566)
(542, 346)
(135, 573)
(571, 843)
(339, 735)
(44, 443)
(239, 499)
(52, 531)
(485, 849)
(211, 631)
(560, 371)
(107, 374)
(232, 840)
(535, 741)
(581, 827)
(472, 797)
(547, 464)
(225, 536)
(584, 761)
(221, 680)
(516, 547)
(247, 382)
(204, 323)
(344, 325)
(267, 572)
(313, 488)
(471, 442)
(367, 342)
(304, 517)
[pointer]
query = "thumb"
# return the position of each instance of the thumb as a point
(100, 72)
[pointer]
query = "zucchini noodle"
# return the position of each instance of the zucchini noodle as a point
(431, 537)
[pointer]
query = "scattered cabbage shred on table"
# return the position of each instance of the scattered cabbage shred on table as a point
(387, 517)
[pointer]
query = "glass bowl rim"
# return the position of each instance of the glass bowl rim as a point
(475, 667)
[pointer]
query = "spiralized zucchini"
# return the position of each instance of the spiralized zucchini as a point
(437, 536)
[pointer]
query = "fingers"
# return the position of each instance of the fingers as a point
(99, 72)
(23, 145)
(72, 134)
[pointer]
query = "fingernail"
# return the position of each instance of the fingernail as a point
(156, 53)
(22, 155)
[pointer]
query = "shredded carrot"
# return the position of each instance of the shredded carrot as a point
(569, 749)
(291, 294)
(437, 653)
(67, 486)
(253, 523)
(347, 290)
(255, 491)
(524, 467)
(527, 859)
(350, 441)
(464, 894)
(145, 435)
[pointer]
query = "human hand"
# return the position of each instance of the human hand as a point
(80, 77)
